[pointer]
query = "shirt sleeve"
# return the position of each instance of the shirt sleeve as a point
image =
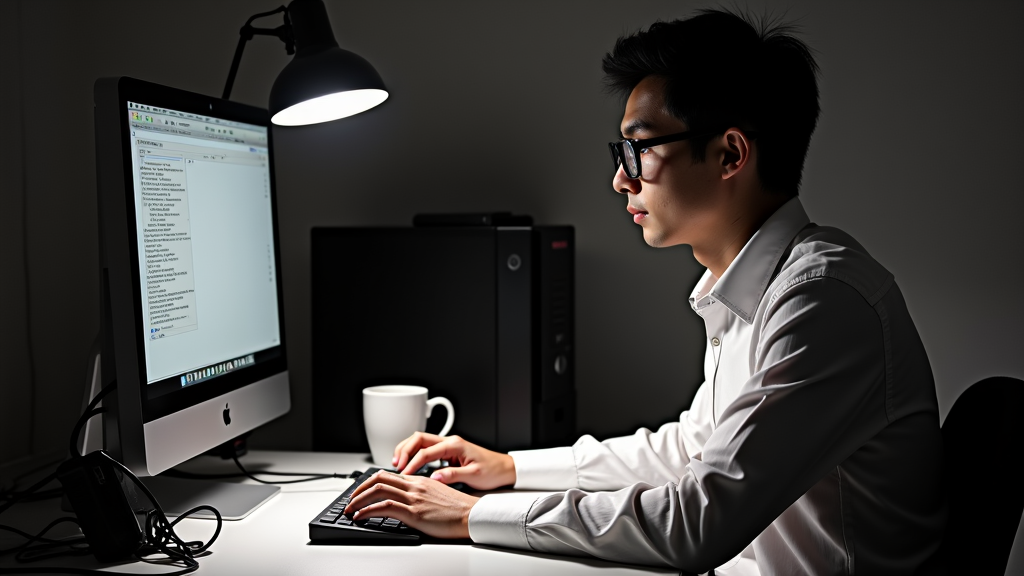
(817, 383)
(653, 457)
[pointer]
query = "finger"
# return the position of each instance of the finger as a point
(375, 494)
(386, 509)
(436, 452)
(411, 445)
(381, 477)
(455, 474)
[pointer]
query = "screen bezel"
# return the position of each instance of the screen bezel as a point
(149, 94)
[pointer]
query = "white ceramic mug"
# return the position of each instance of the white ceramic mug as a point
(393, 412)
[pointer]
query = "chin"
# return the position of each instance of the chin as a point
(653, 239)
(656, 238)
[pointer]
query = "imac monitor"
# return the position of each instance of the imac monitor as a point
(192, 316)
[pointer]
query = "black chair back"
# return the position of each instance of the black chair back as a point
(984, 441)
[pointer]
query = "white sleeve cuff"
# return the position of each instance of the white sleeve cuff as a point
(547, 469)
(500, 520)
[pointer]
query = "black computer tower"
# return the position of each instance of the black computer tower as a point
(482, 315)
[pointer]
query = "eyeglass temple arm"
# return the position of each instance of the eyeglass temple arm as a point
(752, 134)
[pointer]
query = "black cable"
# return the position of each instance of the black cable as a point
(63, 570)
(159, 534)
(47, 543)
(14, 481)
(172, 473)
(24, 497)
(90, 411)
(36, 486)
(244, 474)
(249, 475)
(28, 553)
(160, 531)
(24, 534)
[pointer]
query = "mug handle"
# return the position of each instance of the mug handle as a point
(451, 413)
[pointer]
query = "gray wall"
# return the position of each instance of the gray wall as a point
(15, 363)
(498, 105)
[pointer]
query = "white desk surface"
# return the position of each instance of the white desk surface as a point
(274, 539)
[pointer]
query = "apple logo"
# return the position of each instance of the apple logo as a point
(227, 415)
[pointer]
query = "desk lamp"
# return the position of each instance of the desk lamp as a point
(322, 82)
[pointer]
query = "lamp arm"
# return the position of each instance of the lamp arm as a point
(248, 31)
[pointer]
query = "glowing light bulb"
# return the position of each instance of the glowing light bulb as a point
(329, 107)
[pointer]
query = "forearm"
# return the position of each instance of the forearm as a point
(652, 457)
(642, 524)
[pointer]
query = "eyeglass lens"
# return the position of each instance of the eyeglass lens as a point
(629, 160)
(623, 154)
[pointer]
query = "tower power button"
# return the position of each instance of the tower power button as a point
(561, 364)
(514, 262)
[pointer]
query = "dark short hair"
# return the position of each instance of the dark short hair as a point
(723, 70)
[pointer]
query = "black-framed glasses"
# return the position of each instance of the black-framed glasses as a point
(627, 152)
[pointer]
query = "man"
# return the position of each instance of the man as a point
(813, 446)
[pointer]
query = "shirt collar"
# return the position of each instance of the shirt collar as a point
(742, 285)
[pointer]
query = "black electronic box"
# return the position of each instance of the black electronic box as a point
(477, 308)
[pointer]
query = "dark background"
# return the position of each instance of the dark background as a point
(499, 106)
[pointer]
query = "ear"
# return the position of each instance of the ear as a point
(736, 152)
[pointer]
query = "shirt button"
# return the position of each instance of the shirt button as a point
(715, 341)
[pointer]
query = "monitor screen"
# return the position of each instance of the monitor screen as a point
(205, 243)
(193, 327)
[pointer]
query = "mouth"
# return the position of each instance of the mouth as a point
(638, 214)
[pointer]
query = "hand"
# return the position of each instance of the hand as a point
(425, 504)
(478, 467)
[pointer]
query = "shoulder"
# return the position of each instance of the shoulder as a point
(823, 299)
(825, 253)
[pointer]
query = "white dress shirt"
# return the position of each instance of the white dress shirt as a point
(812, 447)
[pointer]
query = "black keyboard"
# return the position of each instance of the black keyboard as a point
(333, 527)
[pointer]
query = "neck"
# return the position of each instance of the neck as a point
(736, 230)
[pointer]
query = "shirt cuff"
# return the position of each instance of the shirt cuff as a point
(500, 520)
(547, 469)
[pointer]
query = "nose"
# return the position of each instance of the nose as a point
(624, 184)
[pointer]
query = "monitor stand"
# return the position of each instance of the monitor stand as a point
(234, 501)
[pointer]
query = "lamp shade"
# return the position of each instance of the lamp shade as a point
(322, 82)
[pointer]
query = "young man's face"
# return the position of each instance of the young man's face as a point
(675, 199)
